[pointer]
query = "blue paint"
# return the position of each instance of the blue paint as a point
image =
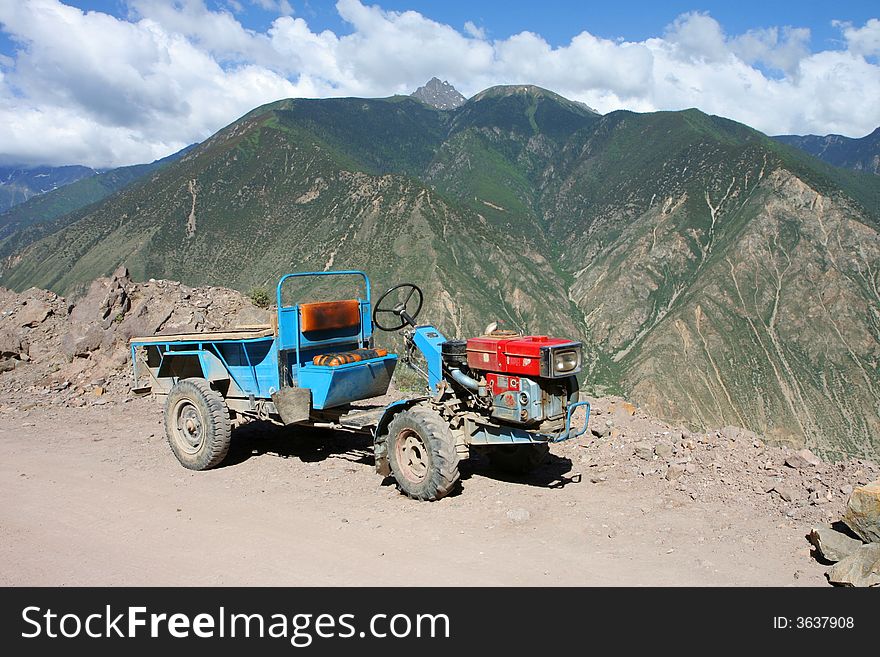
(261, 366)
(428, 340)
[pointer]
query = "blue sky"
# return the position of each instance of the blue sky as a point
(109, 82)
(559, 20)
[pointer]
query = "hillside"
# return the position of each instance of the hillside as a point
(18, 184)
(76, 194)
(862, 154)
(717, 276)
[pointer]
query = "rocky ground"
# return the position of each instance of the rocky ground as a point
(725, 498)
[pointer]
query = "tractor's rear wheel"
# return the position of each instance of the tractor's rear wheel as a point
(518, 459)
(197, 424)
(421, 454)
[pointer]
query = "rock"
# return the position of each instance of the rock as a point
(12, 344)
(644, 450)
(863, 512)
(832, 544)
(622, 408)
(731, 433)
(861, 568)
(601, 431)
(675, 471)
(802, 459)
(98, 391)
(663, 450)
(33, 313)
(519, 515)
(81, 341)
(783, 492)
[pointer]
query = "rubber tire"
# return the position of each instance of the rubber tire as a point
(518, 459)
(215, 419)
(442, 476)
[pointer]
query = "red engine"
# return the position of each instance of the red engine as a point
(527, 380)
(531, 355)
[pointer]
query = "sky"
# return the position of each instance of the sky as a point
(114, 82)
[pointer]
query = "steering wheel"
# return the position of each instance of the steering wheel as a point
(400, 309)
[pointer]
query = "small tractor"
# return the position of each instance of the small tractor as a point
(505, 394)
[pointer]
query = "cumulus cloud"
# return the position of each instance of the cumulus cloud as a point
(116, 91)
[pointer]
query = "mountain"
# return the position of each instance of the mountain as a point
(439, 95)
(716, 276)
(19, 183)
(862, 154)
(78, 194)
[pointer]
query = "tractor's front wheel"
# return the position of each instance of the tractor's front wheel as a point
(197, 424)
(421, 453)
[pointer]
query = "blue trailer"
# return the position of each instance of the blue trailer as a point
(316, 365)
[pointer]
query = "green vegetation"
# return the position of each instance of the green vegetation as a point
(716, 276)
(261, 297)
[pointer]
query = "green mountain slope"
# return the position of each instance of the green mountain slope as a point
(718, 276)
(861, 154)
(73, 196)
(18, 184)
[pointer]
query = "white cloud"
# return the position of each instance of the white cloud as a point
(862, 40)
(279, 6)
(116, 91)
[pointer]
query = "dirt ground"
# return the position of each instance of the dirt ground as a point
(93, 496)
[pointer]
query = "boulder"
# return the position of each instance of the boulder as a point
(12, 344)
(663, 450)
(81, 341)
(861, 568)
(33, 313)
(600, 431)
(832, 544)
(644, 450)
(863, 512)
(802, 459)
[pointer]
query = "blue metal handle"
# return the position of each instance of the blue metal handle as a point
(566, 434)
(322, 273)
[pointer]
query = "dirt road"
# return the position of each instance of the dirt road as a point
(93, 496)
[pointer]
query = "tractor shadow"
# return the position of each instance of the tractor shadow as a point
(553, 473)
(307, 444)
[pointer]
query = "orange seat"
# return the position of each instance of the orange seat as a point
(330, 315)
(344, 357)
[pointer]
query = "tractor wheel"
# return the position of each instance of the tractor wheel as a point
(518, 459)
(421, 453)
(197, 424)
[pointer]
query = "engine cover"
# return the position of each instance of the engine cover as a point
(531, 355)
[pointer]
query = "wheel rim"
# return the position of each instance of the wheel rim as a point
(412, 456)
(189, 427)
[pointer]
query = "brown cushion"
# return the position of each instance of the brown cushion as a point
(330, 315)
(334, 360)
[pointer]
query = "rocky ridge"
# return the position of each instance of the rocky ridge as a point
(440, 95)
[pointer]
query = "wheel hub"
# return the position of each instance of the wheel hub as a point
(189, 426)
(412, 456)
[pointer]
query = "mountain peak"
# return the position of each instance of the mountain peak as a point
(534, 91)
(440, 95)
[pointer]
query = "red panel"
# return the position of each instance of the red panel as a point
(510, 354)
